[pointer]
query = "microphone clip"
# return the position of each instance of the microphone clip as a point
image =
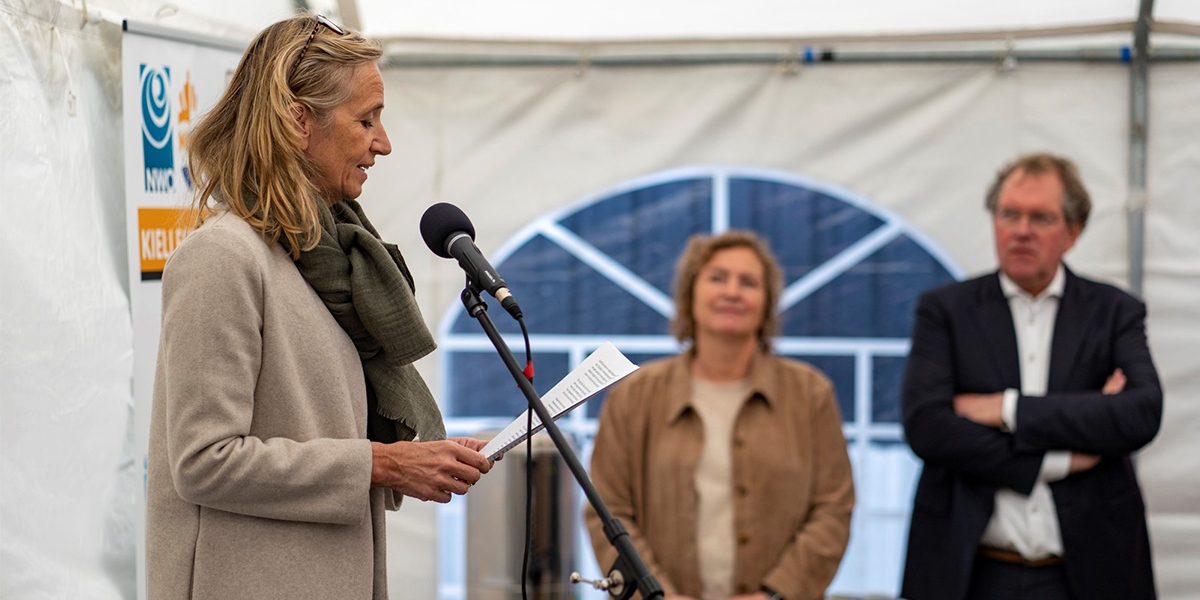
(472, 300)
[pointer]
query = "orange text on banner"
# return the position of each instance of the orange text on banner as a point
(160, 230)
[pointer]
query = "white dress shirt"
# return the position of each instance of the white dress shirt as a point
(1024, 524)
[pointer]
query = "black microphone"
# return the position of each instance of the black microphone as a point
(449, 234)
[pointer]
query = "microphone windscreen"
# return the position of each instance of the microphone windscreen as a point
(441, 220)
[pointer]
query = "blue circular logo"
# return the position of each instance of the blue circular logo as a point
(156, 108)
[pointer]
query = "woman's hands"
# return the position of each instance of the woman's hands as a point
(428, 470)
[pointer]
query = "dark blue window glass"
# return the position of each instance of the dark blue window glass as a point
(839, 370)
(805, 228)
(887, 373)
(483, 387)
(875, 298)
(561, 295)
(645, 229)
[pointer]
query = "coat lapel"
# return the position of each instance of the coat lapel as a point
(995, 324)
(1068, 332)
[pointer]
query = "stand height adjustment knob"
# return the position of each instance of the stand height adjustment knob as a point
(614, 582)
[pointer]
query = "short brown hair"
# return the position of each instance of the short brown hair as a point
(1076, 203)
(700, 249)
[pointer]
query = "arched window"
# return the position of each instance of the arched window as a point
(601, 270)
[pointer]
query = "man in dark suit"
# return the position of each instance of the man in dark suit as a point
(1026, 391)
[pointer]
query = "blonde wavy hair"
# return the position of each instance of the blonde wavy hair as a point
(700, 249)
(245, 153)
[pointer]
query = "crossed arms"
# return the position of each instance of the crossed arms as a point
(965, 431)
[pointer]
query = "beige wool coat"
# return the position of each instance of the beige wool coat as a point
(259, 482)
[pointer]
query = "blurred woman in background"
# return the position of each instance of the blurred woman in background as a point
(726, 463)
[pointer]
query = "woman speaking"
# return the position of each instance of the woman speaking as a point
(726, 464)
(286, 407)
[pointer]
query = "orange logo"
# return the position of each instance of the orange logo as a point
(160, 230)
(187, 103)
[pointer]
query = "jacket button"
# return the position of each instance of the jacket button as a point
(742, 589)
(739, 442)
(743, 539)
(741, 490)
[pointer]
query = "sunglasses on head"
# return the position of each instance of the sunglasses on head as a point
(321, 20)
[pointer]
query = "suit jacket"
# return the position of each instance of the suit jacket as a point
(964, 342)
(259, 481)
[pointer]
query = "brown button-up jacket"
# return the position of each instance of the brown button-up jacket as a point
(792, 484)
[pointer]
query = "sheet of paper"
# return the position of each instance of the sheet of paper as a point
(601, 369)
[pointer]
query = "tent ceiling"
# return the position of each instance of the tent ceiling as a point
(645, 20)
(671, 19)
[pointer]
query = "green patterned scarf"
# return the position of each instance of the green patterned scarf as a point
(368, 289)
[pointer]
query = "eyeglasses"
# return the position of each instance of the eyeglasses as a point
(1040, 220)
(321, 20)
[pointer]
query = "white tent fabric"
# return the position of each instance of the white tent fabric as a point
(627, 20)
(1167, 467)
(70, 482)
(638, 19)
(509, 145)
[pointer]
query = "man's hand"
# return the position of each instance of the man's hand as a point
(1082, 462)
(1115, 383)
(427, 470)
(984, 409)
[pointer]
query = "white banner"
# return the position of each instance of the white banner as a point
(168, 81)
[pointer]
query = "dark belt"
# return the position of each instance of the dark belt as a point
(1009, 556)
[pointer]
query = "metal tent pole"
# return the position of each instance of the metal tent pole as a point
(1139, 113)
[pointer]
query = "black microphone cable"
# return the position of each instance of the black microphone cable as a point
(528, 467)
(443, 227)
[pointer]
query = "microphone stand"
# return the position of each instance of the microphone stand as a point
(629, 573)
